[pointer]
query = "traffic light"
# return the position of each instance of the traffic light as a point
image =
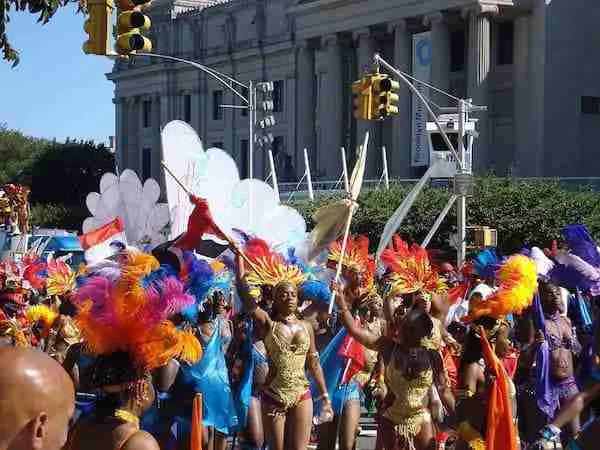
(385, 97)
(97, 26)
(130, 23)
(362, 98)
(484, 237)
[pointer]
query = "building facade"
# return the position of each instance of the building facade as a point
(534, 63)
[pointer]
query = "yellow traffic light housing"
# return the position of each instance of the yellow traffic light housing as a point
(362, 98)
(484, 237)
(385, 97)
(131, 22)
(98, 27)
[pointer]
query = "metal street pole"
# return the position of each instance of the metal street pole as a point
(461, 204)
(251, 119)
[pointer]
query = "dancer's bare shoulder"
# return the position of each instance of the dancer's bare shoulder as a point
(141, 440)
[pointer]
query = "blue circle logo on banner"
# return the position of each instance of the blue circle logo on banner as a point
(424, 51)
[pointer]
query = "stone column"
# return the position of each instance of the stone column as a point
(133, 118)
(399, 154)
(521, 161)
(156, 172)
(537, 68)
(120, 130)
(330, 113)
(440, 56)
(305, 103)
(478, 70)
(365, 47)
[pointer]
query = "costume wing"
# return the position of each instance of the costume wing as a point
(183, 153)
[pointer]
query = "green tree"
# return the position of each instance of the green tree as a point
(525, 213)
(17, 152)
(66, 173)
(45, 10)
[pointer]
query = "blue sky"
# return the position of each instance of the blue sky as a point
(56, 90)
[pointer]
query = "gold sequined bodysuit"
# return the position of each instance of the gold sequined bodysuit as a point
(288, 384)
(409, 411)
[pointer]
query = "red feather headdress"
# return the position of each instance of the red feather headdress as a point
(409, 270)
(270, 268)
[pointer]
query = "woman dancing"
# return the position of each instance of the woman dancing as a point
(286, 401)
(411, 369)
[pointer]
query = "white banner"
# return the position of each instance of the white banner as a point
(421, 70)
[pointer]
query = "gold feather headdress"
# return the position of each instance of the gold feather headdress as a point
(409, 270)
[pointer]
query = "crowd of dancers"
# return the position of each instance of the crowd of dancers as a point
(260, 348)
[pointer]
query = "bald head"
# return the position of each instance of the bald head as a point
(36, 401)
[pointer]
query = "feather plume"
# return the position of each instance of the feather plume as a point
(486, 263)
(42, 314)
(128, 315)
(271, 268)
(518, 283)
(409, 269)
(61, 278)
(582, 244)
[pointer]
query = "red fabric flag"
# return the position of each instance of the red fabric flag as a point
(199, 224)
(352, 350)
(500, 433)
(458, 292)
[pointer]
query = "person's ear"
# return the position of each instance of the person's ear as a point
(39, 431)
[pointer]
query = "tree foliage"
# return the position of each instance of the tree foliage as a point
(45, 9)
(60, 175)
(525, 213)
(17, 152)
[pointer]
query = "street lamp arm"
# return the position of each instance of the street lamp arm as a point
(379, 60)
(225, 80)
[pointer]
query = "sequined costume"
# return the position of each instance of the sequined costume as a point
(287, 384)
(408, 412)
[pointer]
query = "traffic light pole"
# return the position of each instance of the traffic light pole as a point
(228, 82)
(463, 163)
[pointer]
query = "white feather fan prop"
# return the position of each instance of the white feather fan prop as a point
(248, 205)
(135, 203)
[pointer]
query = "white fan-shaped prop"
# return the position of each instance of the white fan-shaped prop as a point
(248, 205)
(137, 204)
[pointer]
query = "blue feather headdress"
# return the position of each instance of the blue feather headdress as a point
(486, 263)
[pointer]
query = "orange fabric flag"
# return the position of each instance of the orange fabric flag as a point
(500, 433)
(196, 434)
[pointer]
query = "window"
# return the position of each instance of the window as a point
(245, 94)
(187, 108)
(244, 158)
(457, 50)
(217, 102)
(217, 145)
(504, 43)
(147, 113)
(590, 105)
(278, 96)
(146, 163)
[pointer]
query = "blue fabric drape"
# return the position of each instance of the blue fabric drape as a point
(546, 396)
(210, 378)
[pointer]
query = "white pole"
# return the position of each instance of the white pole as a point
(386, 176)
(251, 102)
(461, 205)
(311, 194)
(438, 221)
(273, 173)
(345, 170)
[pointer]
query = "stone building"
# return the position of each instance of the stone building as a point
(534, 63)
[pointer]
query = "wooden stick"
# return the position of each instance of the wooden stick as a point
(229, 240)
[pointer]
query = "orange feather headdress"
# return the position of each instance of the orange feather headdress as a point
(518, 282)
(270, 268)
(356, 257)
(409, 269)
(130, 315)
